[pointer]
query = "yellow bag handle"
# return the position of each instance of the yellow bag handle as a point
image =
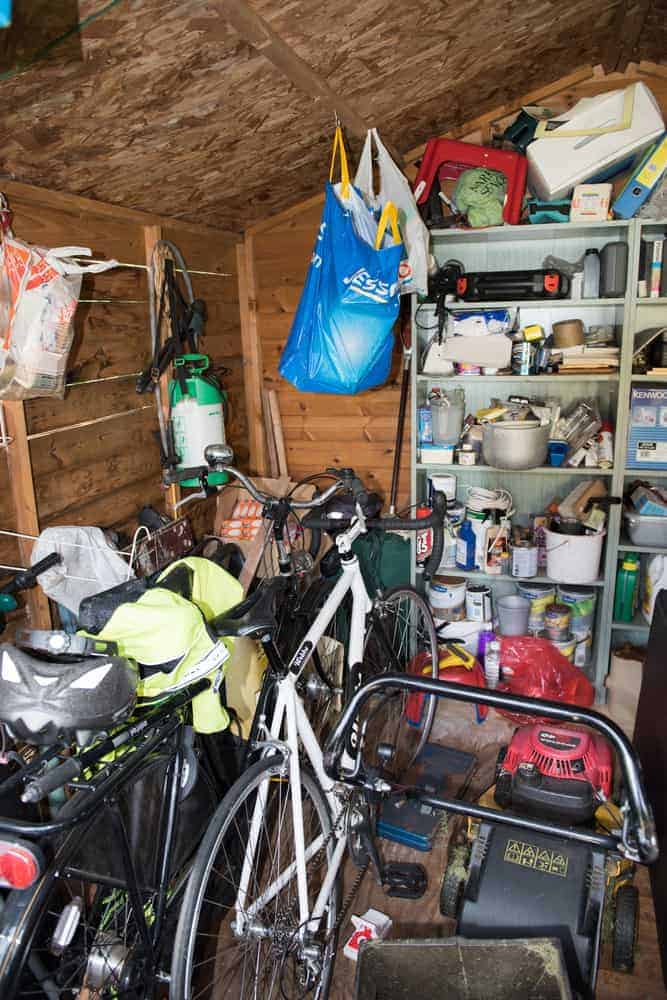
(339, 146)
(389, 215)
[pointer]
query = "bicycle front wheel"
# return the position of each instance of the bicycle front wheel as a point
(239, 932)
(401, 638)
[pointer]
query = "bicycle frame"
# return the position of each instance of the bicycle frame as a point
(290, 716)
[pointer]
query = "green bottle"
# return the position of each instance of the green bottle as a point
(627, 588)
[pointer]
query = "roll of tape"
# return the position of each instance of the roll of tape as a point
(568, 333)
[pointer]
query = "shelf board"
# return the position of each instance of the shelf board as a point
(649, 378)
(646, 473)
(477, 574)
(542, 470)
(661, 301)
(518, 378)
(535, 304)
(638, 624)
(629, 546)
(541, 232)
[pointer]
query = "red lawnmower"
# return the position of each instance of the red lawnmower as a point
(503, 884)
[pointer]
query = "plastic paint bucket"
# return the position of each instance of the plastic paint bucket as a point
(582, 605)
(447, 597)
(573, 558)
(540, 595)
(513, 614)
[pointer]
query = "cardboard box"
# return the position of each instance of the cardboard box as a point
(642, 181)
(623, 684)
(647, 432)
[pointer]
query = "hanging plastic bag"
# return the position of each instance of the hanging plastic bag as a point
(341, 338)
(39, 293)
(394, 187)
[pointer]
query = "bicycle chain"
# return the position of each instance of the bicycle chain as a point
(358, 879)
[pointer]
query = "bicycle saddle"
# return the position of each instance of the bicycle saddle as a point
(253, 617)
(43, 700)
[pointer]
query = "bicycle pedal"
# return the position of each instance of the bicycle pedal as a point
(404, 879)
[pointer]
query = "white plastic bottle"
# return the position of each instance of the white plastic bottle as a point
(492, 664)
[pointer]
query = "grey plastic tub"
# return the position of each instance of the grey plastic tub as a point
(646, 529)
(460, 969)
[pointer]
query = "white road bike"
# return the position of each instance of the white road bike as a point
(261, 912)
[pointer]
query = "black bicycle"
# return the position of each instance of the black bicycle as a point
(102, 805)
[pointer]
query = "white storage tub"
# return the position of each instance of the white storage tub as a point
(582, 148)
(646, 529)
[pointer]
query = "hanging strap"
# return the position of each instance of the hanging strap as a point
(389, 215)
(339, 147)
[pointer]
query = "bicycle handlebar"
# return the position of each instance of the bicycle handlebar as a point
(27, 578)
(639, 834)
(202, 472)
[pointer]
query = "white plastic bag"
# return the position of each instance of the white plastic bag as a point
(36, 332)
(395, 187)
(89, 564)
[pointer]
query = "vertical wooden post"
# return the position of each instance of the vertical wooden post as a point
(252, 354)
(152, 234)
(25, 504)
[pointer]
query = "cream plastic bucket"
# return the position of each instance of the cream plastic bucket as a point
(573, 558)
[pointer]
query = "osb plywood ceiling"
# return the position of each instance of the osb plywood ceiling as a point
(162, 105)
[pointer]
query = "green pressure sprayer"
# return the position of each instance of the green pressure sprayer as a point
(197, 406)
(195, 415)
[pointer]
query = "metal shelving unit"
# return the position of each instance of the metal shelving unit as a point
(511, 247)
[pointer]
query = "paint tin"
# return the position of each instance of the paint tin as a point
(524, 560)
(566, 646)
(447, 597)
(478, 603)
(523, 359)
(583, 651)
(557, 621)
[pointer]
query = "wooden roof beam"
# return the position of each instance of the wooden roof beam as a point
(624, 34)
(257, 32)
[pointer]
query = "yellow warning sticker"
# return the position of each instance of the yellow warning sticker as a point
(517, 852)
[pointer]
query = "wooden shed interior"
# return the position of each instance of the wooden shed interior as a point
(210, 124)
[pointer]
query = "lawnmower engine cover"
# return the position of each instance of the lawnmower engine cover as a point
(553, 772)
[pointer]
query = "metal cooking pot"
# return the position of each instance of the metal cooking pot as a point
(515, 444)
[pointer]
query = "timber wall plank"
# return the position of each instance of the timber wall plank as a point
(94, 454)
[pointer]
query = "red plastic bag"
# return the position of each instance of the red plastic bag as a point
(535, 668)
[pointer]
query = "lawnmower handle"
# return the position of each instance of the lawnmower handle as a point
(638, 836)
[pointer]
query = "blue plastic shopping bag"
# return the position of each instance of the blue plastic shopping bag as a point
(341, 339)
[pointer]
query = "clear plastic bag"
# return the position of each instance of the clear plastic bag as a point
(535, 668)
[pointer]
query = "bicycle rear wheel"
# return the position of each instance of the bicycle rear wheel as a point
(401, 638)
(261, 951)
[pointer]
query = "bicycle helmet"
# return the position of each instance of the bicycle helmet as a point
(43, 699)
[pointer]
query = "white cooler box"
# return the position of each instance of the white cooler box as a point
(556, 163)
